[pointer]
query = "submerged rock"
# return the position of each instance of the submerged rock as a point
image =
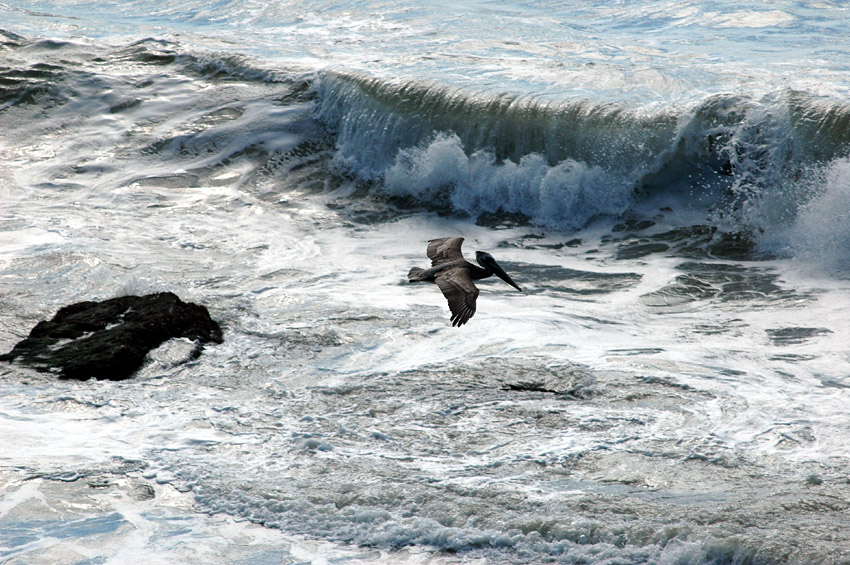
(110, 339)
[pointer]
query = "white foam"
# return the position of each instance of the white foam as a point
(342, 404)
(821, 230)
(125, 519)
(565, 195)
(749, 19)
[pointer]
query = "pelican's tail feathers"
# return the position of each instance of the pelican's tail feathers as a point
(415, 274)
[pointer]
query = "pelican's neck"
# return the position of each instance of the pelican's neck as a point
(481, 272)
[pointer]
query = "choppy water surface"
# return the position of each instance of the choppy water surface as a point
(668, 182)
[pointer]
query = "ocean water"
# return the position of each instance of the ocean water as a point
(667, 180)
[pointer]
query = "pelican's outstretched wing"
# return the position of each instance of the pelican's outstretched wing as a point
(458, 289)
(444, 250)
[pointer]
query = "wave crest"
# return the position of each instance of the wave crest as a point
(752, 163)
(566, 194)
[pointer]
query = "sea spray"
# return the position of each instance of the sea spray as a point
(747, 161)
(565, 195)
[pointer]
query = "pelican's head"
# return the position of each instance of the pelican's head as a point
(486, 260)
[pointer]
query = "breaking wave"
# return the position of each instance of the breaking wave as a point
(772, 167)
(755, 165)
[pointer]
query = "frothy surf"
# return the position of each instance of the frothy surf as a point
(753, 165)
(670, 387)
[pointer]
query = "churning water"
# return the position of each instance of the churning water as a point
(669, 182)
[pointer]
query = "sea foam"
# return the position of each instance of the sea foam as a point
(752, 164)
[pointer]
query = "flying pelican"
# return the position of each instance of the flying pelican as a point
(454, 275)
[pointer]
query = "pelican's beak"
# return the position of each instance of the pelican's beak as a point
(499, 272)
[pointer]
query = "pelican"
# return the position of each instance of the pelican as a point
(454, 275)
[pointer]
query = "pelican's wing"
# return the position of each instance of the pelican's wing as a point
(444, 250)
(458, 289)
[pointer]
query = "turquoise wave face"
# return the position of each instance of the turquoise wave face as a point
(751, 164)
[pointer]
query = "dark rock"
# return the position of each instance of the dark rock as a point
(110, 339)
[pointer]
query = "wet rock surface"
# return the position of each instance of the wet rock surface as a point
(110, 339)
